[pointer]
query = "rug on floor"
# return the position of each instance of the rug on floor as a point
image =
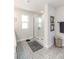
(35, 46)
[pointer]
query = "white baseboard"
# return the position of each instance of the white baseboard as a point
(21, 40)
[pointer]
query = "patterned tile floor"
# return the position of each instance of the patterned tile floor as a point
(25, 52)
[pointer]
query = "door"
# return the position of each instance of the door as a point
(38, 27)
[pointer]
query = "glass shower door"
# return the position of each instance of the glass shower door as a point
(38, 27)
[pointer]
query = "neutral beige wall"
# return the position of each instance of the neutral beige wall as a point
(51, 12)
(46, 26)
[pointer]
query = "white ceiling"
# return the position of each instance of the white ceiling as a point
(36, 5)
(32, 5)
(56, 3)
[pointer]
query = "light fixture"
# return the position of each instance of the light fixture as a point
(28, 1)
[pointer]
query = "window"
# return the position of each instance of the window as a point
(40, 22)
(25, 20)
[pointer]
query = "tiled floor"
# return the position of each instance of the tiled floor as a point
(25, 52)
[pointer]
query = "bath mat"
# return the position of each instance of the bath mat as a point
(35, 46)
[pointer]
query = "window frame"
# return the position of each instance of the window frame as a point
(24, 22)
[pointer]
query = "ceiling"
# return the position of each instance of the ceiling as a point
(56, 3)
(36, 5)
(32, 5)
